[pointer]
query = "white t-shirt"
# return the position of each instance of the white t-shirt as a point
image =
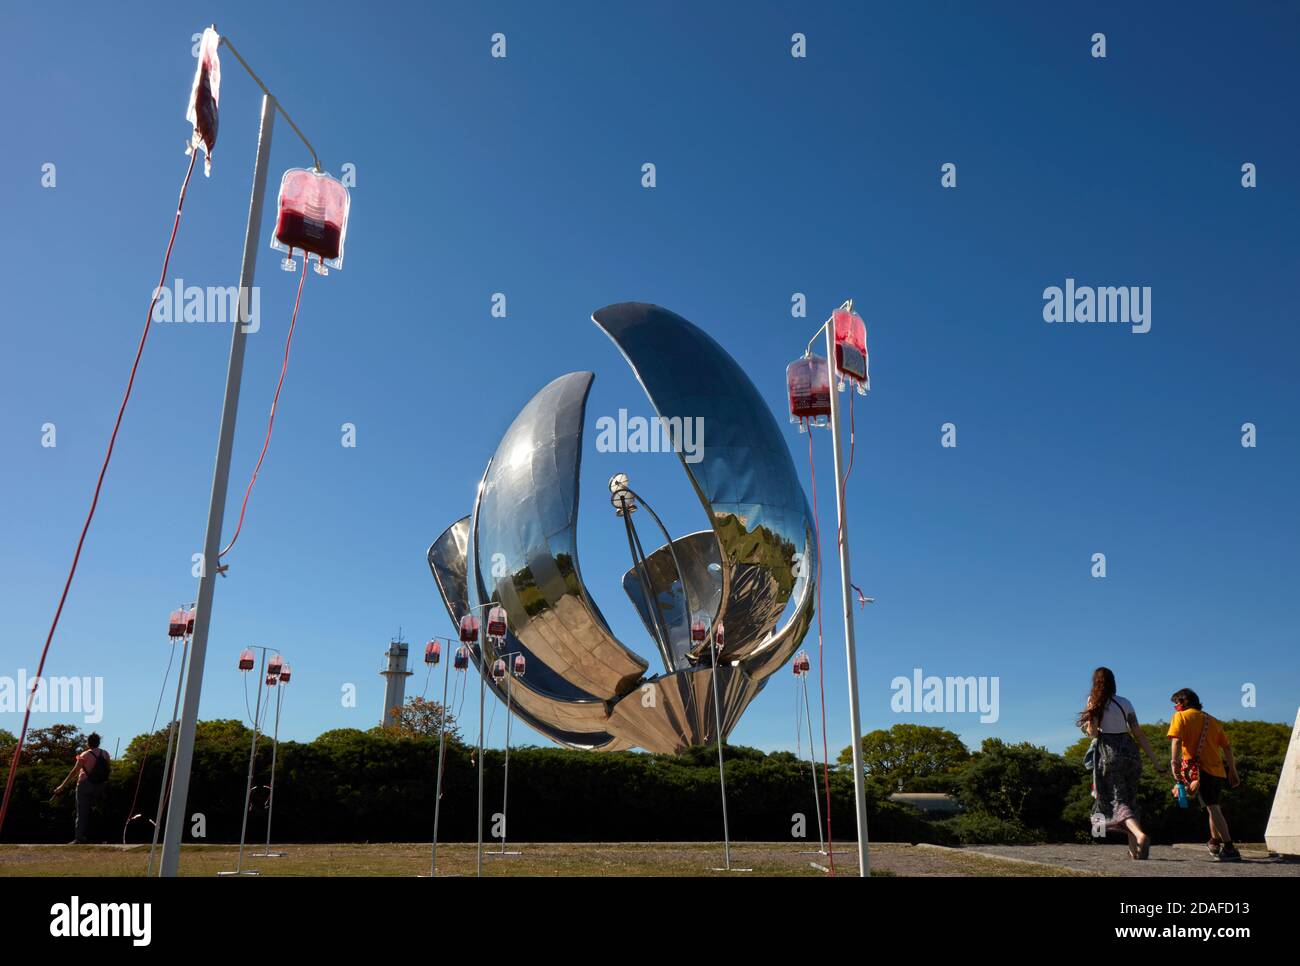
(1114, 720)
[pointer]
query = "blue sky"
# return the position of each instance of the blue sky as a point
(776, 175)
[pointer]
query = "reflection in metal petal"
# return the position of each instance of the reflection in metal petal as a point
(578, 724)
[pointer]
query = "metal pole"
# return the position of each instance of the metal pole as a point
(505, 782)
(722, 775)
(167, 762)
(812, 759)
(275, 749)
(442, 739)
(482, 688)
(850, 649)
(252, 761)
(217, 504)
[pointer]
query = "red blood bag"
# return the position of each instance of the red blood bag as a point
(246, 660)
(520, 665)
(499, 671)
(285, 673)
(461, 660)
(432, 652)
(496, 629)
(176, 624)
(205, 92)
(273, 665)
(313, 218)
(851, 349)
(808, 381)
(469, 629)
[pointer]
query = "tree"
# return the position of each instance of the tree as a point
(57, 743)
(1019, 783)
(419, 718)
(907, 753)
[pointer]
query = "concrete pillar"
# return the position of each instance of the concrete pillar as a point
(1283, 833)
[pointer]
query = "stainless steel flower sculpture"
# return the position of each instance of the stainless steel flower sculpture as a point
(518, 548)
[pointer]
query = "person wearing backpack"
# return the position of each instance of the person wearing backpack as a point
(91, 771)
(1201, 760)
(1115, 762)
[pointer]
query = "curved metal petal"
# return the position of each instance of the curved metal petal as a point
(525, 534)
(744, 478)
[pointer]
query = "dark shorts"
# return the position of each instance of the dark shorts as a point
(1211, 789)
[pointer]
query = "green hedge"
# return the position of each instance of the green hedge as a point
(374, 786)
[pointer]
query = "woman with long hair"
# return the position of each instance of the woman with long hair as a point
(1117, 768)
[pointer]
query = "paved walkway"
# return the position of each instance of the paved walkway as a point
(1166, 860)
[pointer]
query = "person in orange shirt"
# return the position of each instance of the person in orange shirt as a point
(1199, 740)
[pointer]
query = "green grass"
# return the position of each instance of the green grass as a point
(663, 859)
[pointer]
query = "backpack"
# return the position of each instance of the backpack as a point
(1191, 767)
(98, 772)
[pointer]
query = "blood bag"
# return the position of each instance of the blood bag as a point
(273, 666)
(719, 635)
(469, 629)
(432, 652)
(285, 673)
(312, 219)
(176, 624)
(205, 92)
(699, 629)
(499, 671)
(520, 665)
(271, 679)
(246, 660)
(851, 349)
(808, 383)
(461, 661)
(496, 628)
(189, 621)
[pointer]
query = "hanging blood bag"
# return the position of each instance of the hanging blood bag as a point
(204, 94)
(246, 660)
(808, 384)
(176, 624)
(312, 218)
(432, 652)
(851, 349)
(496, 627)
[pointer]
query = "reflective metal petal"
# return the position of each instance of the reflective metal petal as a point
(745, 477)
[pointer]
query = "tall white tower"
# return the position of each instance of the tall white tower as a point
(395, 675)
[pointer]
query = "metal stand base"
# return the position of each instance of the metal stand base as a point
(487, 854)
(268, 855)
(822, 852)
(244, 872)
(733, 869)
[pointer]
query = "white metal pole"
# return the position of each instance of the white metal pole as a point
(167, 762)
(812, 760)
(275, 750)
(482, 688)
(505, 781)
(442, 740)
(717, 727)
(252, 761)
(217, 504)
(850, 649)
